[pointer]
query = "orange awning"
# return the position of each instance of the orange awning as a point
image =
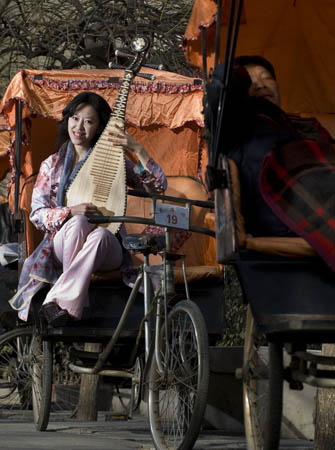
(165, 115)
(171, 100)
(297, 36)
(4, 147)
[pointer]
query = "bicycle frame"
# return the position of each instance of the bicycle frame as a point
(151, 301)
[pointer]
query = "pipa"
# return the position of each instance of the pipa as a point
(101, 180)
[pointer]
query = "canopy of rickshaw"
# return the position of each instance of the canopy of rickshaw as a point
(297, 36)
(165, 115)
(4, 146)
(162, 101)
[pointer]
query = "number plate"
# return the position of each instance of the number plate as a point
(173, 216)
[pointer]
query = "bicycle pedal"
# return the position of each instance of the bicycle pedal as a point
(116, 416)
(150, 243)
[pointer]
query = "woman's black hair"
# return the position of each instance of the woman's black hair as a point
(84, 98)
(256, 60)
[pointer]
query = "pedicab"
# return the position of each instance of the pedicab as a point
(156, 338)
(288, 282)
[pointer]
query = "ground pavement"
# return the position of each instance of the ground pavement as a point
(17, 432)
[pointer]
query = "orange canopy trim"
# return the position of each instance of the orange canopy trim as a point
(204, 15)
(4, 125)
(170, 100)
(297, 36)
(4, 148)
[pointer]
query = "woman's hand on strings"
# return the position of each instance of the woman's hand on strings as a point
(122, 138)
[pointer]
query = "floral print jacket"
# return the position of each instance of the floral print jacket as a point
(40, 268)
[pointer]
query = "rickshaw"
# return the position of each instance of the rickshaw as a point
(154, 340)
(282, 278)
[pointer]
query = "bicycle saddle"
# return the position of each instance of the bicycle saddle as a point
(144, 243)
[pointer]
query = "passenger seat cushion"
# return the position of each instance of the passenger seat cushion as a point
(236, 198)
(290, 247)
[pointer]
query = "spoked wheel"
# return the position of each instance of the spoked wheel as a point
(129, 391)
(262, 389)
(136, 383)
(15, 380)
(178, 393)
(41, 381)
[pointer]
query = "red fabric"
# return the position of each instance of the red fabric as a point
(297, 182)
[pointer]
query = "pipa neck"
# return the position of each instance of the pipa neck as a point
(119, 109)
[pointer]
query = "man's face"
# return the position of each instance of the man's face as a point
(263, 84)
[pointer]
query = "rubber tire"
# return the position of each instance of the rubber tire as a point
(180, 436)
(15, 385)
(42, 367)
(263, 413)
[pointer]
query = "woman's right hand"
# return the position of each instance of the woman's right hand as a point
(86, 209)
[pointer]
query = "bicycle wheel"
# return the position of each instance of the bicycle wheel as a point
(15, 381)
(136, 383)
(262, 389)
(178, 394)
(41, 381)
(129, 391)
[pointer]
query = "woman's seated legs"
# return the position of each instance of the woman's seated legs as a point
(82, 249)
(70, 239)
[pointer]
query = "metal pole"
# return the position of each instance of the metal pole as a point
(147, 305)
(17, 158)
(230, 31)
(204, 53)
(229, 58)
(218, 32)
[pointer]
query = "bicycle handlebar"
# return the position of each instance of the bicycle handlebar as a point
(133, 219)
(201, 203)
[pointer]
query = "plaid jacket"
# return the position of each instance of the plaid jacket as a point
(298, 183)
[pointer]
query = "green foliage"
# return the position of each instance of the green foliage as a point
(235, 310)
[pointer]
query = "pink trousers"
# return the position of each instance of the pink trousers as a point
(81, 249)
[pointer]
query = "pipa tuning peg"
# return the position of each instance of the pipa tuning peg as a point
(123, 54)
(111, 65)
(147, 76)
(154, 66)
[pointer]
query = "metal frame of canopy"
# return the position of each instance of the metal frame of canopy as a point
(217, 174)
(214, 176)
(17, 163)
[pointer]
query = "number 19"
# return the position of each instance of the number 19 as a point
(172, 219)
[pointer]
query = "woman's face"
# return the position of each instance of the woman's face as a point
(83, 126)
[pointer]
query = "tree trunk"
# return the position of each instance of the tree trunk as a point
(325, 411)
(88, 397)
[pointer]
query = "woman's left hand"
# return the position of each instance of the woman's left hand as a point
(125, 140)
